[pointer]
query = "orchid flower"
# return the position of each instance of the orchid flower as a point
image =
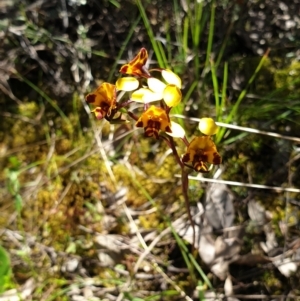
(200, 151)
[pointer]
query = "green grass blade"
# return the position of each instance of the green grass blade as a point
(215, 87)
(224, 44)
(244, 91)
(242, 95)
(178, 31)
(115, 3)
(185, 36)
(184, 251)
(46, 97)
(202, 274)
(197, 22)
(211, 33)
(191, 89)
(154, 43)
(123, 47)
(163, 54)
(219, 116)
(197, 35)
(224, 90)
(5, 269)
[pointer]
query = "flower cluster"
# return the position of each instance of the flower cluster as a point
(158, 96)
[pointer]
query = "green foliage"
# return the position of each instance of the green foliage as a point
(13, 184)
(5, 270)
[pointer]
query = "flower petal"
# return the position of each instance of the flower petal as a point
(171, 78)
(208, 126)
(99, 113)
(177, 130)
(156, 85)
(106, 92)
(150, 96)
(153, 120)
(136, 65)
(172, 95)
(145, 95)
(206, 148)
(127, 83)
(138, 95)
(200, 151)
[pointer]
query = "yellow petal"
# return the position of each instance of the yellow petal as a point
(105, 93)
(177, 130)
(127, 83)
(208, 126)
(107, 90)
(200, 143)
(156, 85)
(150, 96)
(171, 78)
(138, 95)
(145, 95)
(172, 95)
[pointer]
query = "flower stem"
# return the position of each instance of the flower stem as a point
(125, 104)
(133, 116)
(185, 186)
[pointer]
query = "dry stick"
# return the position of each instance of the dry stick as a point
(155, 265)
(287, 199)
(19, 117)
(101, 148)
(233, 183)
(150, 247)
(244, 129)
(259, 297)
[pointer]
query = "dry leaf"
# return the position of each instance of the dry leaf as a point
(257, 213)
(220, 268)
(228, 287)
(185, 230)
(207, 248)
(285, 266)
(219, 209)
(227, 247)
(271, 242)
(110, 249)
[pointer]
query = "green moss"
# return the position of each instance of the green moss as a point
(271, 281)
(29, 109)
(149, 221)
(288, 78)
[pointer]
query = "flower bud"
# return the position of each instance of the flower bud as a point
(172, 95)
(208, 126)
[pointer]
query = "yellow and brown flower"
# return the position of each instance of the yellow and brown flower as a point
(153, 120)
(200, 151)
(103, 99)
(137, 65)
